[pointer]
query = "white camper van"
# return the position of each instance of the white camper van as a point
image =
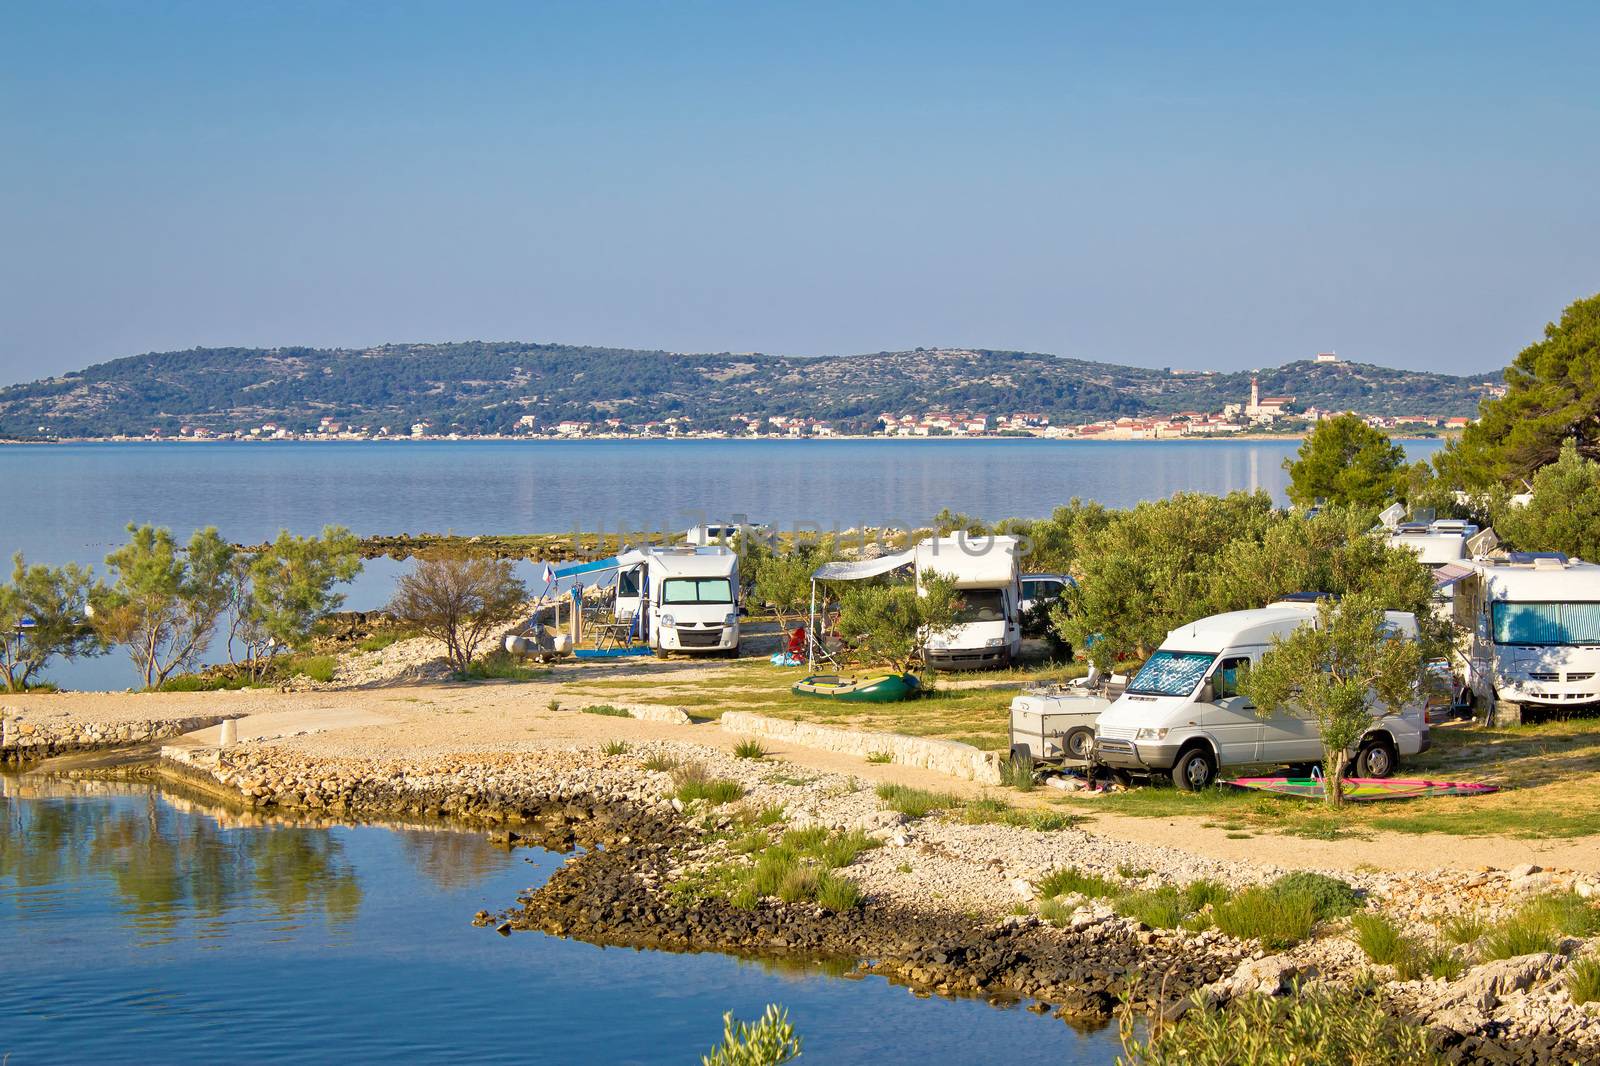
(989, 629)
(1532, 621)
(1441, 546)
(1183, 715)
(683, 599)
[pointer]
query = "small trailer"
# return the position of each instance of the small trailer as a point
(1055, 723)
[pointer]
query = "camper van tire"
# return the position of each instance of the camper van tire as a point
(1195, 769)
(661, 653)
(1377, 758)
(1078, 742)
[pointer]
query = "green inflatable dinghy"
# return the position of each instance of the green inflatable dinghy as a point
(882, 688)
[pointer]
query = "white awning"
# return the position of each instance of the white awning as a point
(865, 568)
(1450, 573)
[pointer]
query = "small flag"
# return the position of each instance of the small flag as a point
(549, 574)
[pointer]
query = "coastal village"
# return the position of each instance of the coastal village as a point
(1254, 414)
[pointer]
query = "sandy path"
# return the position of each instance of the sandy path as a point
(437, 719)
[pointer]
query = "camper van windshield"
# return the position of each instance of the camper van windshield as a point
(1171, 673)
(981, 605)
(1547, 623)
(690, 590)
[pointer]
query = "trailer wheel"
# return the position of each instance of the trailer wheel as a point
(1078, 742)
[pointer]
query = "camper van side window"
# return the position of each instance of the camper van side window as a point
(1225, 682)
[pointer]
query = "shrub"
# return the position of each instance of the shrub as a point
(1054, 911)
(1017, 772)
(800, 883)
(1539, 924)
(1332, 897)
(1583, 980)
(1069, 879)
(1380, 939)
(916, 802)
(1133, 873)
(771, 1041)
(1438, 963)
(501, 665)
(749, 749)
(614, 747)
(1277, 919)
(879, 756)
(316, 667)
(1340, 1026)
(607, 710)
(661, 762)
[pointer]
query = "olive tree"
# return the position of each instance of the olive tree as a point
(164, 600)
(783, 580)
(278, 596)
(459, 600)
(1345, 461)
(1328, 672)
(42, 614)
(892, 623)
(1564, 513)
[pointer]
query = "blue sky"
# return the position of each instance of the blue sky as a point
(1202, 185)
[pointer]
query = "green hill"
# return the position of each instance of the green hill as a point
(480, 387)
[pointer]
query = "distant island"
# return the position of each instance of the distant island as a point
(507, 389)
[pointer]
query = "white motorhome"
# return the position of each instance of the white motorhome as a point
(988, 632)
(1441, 546)
(1183, 714)
(681, 599)
(1532, 625)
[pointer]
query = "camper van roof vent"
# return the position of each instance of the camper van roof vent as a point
(1303, 597)
(1541, 560)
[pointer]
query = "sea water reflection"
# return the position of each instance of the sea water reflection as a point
(140, 925)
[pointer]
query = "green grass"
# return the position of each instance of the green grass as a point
(1333, 1026)
(879, 757)
(1277, 919)
(1169, 907)
(1054, 911)
(1463, 929)
(1539, 925)
(1069, 880)
(615, 747)
(916, 802)
(200, 683)
(1017, 773)
(1583, 980)
(749, 749)
(659, 761)
(1197, 895)
(1380, 939)
(692, 781)
(799, 867)
(1133, 873)
(607, 710)
(1332, 897)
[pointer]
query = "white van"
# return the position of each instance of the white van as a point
(682, 599)
(1533, 633)
(1183, 715)
(988, 632)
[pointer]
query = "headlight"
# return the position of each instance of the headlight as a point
(994, 642)
(730, 620)
(668, 621)
(1151, 734)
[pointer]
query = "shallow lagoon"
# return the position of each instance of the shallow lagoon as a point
(142, 926)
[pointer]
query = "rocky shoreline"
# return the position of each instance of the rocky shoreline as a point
(939, 911)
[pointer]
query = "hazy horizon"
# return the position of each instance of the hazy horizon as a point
(1210, 188)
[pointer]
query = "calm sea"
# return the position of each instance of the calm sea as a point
(70, 503)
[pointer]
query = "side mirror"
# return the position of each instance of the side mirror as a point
(1207, 693)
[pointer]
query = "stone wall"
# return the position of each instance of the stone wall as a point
(941, 756)
(29, 737)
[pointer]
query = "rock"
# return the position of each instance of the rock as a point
(1587, 889)
(1271, 975)
(1022, 887)
(1517, 873)
(1535, 882)
(1484, 986)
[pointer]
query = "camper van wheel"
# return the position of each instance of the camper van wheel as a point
(1078, 742)
(1195, 769)
(661, 653)
(1375, 759)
